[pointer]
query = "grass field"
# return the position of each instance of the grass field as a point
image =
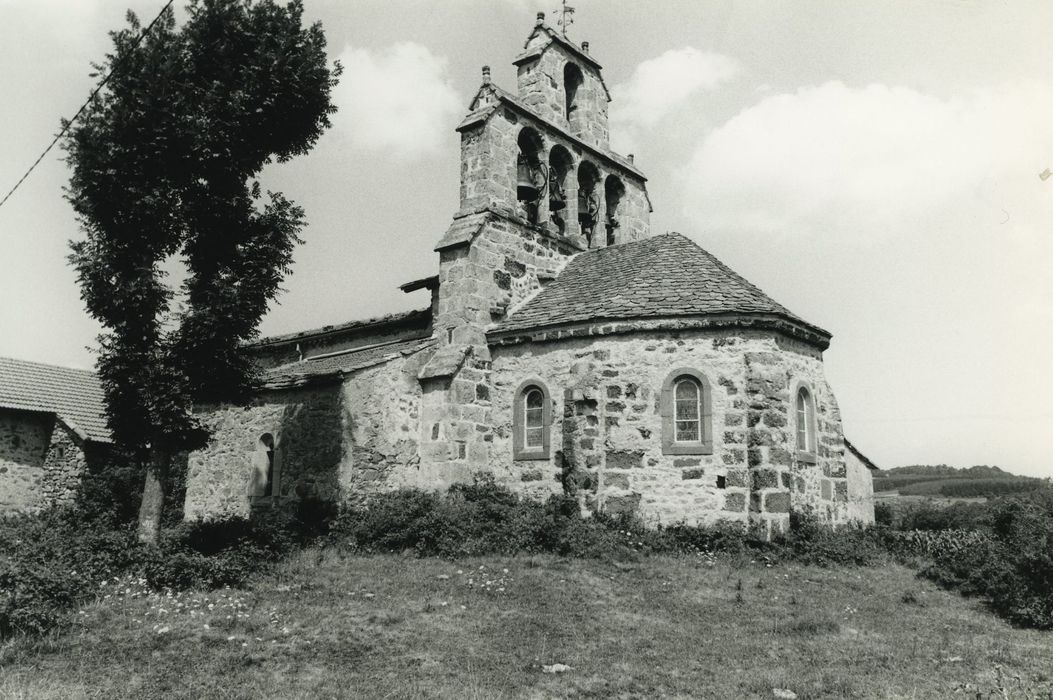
(896, 497)
(331, 625)
(956, 485)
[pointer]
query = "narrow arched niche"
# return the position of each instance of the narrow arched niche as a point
(572, 81)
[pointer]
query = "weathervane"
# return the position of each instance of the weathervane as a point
(565, 17)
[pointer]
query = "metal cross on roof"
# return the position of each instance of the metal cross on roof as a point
(566, 17)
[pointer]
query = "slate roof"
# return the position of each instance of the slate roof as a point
(74, 395)
(344, 362)
(861, 457)
(659, 277)
(415, 316)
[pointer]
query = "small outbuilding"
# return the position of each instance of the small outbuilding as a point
(52, 429)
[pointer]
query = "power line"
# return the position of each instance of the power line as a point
(87, 102)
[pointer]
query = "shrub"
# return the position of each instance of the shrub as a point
(722, 536)
(482, 518)
(811, 542)
(211, 554)
(884, 514)
(930, 516)
(1007, 558)
(52, 561)
(1017, 573)
(111, 487)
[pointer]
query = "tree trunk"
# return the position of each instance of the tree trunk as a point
(153, 497)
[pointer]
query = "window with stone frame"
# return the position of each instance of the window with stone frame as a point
(804, 424)
(686, 406)
(531, 422)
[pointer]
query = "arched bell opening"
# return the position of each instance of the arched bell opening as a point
(588, 200)
(531, 173)
(572, 80)
(560, 164)
(613, 191)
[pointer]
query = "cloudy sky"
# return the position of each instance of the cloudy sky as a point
(873, 166)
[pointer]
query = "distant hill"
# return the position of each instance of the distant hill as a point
(954, 482)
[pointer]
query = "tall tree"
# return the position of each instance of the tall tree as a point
(164, 165)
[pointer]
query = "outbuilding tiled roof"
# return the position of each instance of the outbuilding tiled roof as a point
(75, 395)
(335, 364)
(659, 277)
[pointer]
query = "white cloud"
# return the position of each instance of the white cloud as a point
(660, 85)
(915, 227)
(398, 99)
(864, 161)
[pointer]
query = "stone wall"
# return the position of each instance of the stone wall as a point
(308, 430)
(64, 467)
(500, 266)
(541, 87)
(783, 478)
(24, 440)
(41, 461)
(607, 425)
(860, 489)
(503, 265)
(383, 406)
(336, 442)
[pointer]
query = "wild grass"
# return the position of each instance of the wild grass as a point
(328, 624)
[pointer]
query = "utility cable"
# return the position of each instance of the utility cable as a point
(84, 106)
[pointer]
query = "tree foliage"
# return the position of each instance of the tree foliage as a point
(165, 162)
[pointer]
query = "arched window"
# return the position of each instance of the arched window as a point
(264, 479)
(687, 410)
(687, 421)
(804, 424)
(572, 80)
(531, 421)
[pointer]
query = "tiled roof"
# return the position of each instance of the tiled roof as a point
(296, 373)
(658, 277)
(73, 394)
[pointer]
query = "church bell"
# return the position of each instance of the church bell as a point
(526, 189)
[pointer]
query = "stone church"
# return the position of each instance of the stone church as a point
(565, 349)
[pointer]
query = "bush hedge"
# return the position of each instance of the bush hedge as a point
(1012, 566)
(50, 562)
(55, 560)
